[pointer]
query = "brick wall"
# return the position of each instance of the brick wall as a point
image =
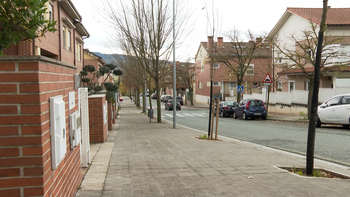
(97, 124)
(27, 83)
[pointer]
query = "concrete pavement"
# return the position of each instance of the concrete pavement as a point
(153, 159)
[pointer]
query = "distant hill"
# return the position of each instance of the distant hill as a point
(108, 58)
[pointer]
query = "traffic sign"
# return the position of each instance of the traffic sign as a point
(240, 89)
(267, 79)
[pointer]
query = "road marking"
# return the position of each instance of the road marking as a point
(186, 114)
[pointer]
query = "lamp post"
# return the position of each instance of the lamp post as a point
(174, 70)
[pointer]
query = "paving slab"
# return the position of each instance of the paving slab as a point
(153, 159)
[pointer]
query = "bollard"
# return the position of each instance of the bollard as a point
(150, 114)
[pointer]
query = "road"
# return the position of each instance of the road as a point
(332, 143)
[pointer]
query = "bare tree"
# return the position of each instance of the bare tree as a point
(303, 55)
(186, 73)
(144, 30)
(238, 55)
(133, 73)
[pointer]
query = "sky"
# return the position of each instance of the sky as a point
(256, 15)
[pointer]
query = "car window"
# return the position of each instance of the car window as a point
(333, 101)
(346, 100)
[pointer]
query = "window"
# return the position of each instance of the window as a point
(232, 85)
(50, 10)
(202, 68)
(200, 85)
(346, 100)
(333, 101)
(68, 40)
(66, 34)
(216, 66)
(215, 83)
(64, 37)
(307, 85)
(78, 52)
(279, 86)
(250, 70)
(48, 15)
(291, 86)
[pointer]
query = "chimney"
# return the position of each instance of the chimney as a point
(220, 43)
(210, 42)
(259, 41)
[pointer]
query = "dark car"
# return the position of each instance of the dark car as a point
(250, 108)
(226, 108)
(166, 98)
(169, 105)
(180, 100)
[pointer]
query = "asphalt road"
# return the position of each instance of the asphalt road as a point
(332, 143)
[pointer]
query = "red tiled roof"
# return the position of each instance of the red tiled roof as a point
(298, 71)
(335, 16)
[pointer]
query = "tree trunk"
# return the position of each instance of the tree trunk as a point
(159, 112)
(309, 100)
(317, 75)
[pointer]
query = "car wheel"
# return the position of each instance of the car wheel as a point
(234, 115)
(244, 116)
(318, 122)
(264, 117)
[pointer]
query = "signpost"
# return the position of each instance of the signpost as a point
(240, 89)
(267, 82)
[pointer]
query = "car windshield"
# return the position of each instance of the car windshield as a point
(230, 103)
(256, 103)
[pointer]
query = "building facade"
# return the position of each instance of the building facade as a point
(36, 158)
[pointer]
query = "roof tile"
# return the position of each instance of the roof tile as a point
(335, 16)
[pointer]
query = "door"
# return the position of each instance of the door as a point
(85, 137)
(343, 110)
(328, 112)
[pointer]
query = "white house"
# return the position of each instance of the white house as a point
(290, 90)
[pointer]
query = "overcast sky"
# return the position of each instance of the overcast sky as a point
(256, 15)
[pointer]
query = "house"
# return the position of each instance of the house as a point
(91, 58)
(294, 22)
(224, 80)
(39, 108)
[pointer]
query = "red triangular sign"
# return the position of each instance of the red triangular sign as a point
(267, 79)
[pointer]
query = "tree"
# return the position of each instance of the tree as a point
(303, 55)
(23, 20)
(93, 85)
(134, 75)
(238, 55)
(317, 73)
(186, 72)
(144, 29)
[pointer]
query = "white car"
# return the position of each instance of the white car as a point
(335, 110)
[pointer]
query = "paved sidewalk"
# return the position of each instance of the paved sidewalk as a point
(153, 159)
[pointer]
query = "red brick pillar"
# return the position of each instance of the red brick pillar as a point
(97, 118)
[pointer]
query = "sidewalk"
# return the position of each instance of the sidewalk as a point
(153, 159)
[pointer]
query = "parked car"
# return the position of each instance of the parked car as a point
(335, 110)
(180, 100)
(169, 105)
(166, 98)
(250, 108)
(154, 96)
(226, 108)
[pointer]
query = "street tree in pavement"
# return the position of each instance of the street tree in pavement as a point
(144, 29)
